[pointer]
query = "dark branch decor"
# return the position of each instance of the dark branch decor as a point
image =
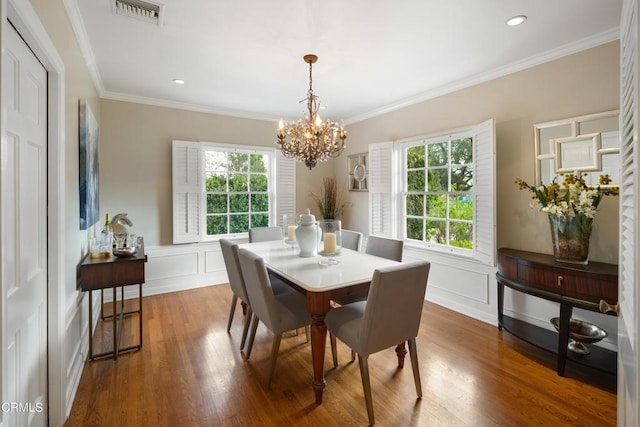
(330, 201)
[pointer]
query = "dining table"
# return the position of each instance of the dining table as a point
(321, 284)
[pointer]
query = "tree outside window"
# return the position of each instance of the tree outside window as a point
(236, 190)
(439, 192)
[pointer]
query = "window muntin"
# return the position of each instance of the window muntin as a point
(237, 189)
(438, 192)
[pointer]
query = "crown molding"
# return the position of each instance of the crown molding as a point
(157, 102)
(550, 55)
(73, 12)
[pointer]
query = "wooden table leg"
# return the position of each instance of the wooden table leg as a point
(318, 304)
(318, 339)
(401, 351)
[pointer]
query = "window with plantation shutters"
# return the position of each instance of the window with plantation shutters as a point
(224, 190)
(437, 191)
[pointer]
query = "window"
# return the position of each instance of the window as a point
(223, 190)
(437, 192)
(237, 188)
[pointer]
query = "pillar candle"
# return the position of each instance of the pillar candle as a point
(329, 243)
(291, 233)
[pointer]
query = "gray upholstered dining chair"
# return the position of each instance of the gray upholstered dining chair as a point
(391, 315)
(384, 247)
(378, 246)
(268, 234)
(351, 239)
(279, 313)
(265, 234)
(236, 282)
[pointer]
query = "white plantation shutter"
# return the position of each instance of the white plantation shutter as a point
(484, 184)
(629, 276)
(285, 186)
(187, 191)
(381, 190)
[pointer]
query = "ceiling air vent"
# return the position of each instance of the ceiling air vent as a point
(142, 10)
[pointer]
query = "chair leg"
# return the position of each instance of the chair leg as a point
(413, 353)
(353, 355)
(366, 385)
(332, 340)
(307, 332)
(252, 336)
(245, 329)
(274, 357)
(234, 301)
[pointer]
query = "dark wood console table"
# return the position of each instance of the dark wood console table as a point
(570, 285)
(113, 272)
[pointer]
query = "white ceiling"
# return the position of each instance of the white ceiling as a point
(244, 57)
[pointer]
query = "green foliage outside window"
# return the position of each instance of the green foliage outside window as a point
(237, 192)
(440, 209)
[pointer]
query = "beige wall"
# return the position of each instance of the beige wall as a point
(583, 83)
(135, 157)
(78, 85)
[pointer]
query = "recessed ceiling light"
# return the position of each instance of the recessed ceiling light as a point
(516, 20)
(178, 81)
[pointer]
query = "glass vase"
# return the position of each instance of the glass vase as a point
(570, 238)
(330, 241)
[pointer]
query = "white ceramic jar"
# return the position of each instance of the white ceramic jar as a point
(307, 235)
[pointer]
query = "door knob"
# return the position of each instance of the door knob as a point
(605, 307)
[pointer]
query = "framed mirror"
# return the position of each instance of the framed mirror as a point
(578, 144)
(357, 165)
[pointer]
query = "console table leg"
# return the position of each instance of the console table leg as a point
(500, 304)
(91, 324)
(115, 328)
(563, 336)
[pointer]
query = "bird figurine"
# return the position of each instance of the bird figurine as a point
(119, 223)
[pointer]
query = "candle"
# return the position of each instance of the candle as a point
(329, 243)
(291, 233)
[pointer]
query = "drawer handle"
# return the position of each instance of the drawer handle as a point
(605, 307)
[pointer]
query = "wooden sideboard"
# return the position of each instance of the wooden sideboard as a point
(112, 273)
(570, 285)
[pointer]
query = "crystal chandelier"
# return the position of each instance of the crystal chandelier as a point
(310, 140)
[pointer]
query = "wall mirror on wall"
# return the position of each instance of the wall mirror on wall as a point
(358, 172)
(578, 144)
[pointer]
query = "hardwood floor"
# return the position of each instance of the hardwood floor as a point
(190, 372)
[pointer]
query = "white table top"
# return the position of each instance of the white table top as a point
(354, 267)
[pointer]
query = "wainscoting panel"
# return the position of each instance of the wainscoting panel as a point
(180, 267)
(76, 344)
(465, 286)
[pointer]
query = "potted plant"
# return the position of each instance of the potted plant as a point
(330, 200)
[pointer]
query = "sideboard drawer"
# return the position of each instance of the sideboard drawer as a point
(538, 277)
(591, 282)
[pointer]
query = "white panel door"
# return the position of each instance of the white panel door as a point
(23, 235)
